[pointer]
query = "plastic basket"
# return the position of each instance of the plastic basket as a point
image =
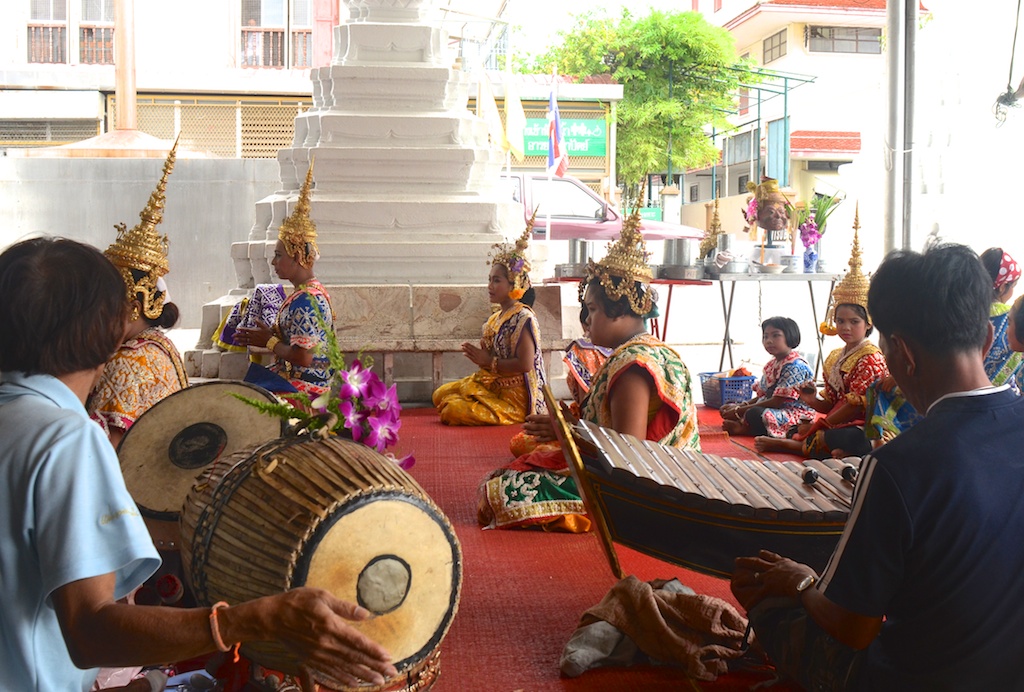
(726, 390)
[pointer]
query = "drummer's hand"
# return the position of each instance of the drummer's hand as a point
(539, 425)
(253, 336)
(886, 384)
(312, 624)
(479, 356)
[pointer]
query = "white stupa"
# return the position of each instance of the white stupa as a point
(406, 184)
(407, 200)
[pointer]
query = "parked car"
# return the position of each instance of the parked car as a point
(578, 212)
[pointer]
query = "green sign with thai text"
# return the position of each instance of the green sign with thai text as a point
(650, 213)
(582, 137)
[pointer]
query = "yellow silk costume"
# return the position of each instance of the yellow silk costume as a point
(486, 398)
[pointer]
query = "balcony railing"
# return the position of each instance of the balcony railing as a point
(266, 47)
(96, 44)
(48, 43)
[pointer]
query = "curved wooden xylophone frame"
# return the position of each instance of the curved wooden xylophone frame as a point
(701, 511)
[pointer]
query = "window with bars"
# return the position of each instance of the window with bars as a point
(774, 47)
(96, 33)
(48, 31)
(844, 39)
(276, 33)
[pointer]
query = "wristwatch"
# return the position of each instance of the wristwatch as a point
(805, 583)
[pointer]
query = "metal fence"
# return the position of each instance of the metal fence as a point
(251, 128)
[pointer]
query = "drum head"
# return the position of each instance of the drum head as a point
(175, 440)
(397, 556)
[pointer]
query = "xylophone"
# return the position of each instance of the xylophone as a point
(701, 511)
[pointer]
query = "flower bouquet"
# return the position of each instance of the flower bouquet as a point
(810, 222)
(356, 405)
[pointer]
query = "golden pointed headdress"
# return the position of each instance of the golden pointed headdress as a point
(710, 241)
(298, 231)
(624, 270)
(514, 258)
(853, 289)
(143, 251)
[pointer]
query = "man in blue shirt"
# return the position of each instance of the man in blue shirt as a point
(924, 588)
(71, 539)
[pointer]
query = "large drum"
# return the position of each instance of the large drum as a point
(171, 443)
(331, 514)
(178, 437)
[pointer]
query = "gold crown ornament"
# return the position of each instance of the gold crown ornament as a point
(514, 258)
(142, 250)
(298, 231)
(853, 289)
(624, 270)
(710, 241)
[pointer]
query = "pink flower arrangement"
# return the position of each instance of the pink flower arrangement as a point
(809, 233)
(356, 404)
(751, 215)
(367, 410)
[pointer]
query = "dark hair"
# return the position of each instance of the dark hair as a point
(529, 297)
(861, 312)
(63, 307)
(168, 317)
(584, 314)
(1017, 312)
(992, 259)
(790, 330)
(939, 299)
(612, 308)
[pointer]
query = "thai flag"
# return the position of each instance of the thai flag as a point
(558, 157)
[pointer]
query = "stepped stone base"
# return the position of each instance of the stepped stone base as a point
(414, 333)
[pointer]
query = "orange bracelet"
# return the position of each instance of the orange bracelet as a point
(215, 628)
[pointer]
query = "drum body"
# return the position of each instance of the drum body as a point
(331, 514)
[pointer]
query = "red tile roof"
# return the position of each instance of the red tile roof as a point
(824, 142)
(849, 4)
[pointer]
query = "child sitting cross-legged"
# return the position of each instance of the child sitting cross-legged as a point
(777, 406)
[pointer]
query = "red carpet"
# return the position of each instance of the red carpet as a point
(524, 591)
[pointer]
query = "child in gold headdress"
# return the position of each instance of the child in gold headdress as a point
(506, 388)
(147, 367)
(848, 371)
(643, 389)
(299, 331)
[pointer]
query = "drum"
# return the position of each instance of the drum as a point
(331, 514)
(171, 443)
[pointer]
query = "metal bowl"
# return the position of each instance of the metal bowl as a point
(736, 267)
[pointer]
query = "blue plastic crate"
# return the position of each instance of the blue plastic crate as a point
(726, 390)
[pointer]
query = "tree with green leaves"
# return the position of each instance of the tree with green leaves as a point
(679, 74)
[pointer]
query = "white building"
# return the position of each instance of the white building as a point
(825, 108)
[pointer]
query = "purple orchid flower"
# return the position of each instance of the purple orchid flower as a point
(518, 265)
(354, 381)
(376, 392)
(352, 418)
(383, 431)
(405, 463)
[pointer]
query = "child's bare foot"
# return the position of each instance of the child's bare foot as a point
(764, 443)
(735, 427)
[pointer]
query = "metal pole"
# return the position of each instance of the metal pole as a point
(909, 64)
(895, 33)
(124, 64)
